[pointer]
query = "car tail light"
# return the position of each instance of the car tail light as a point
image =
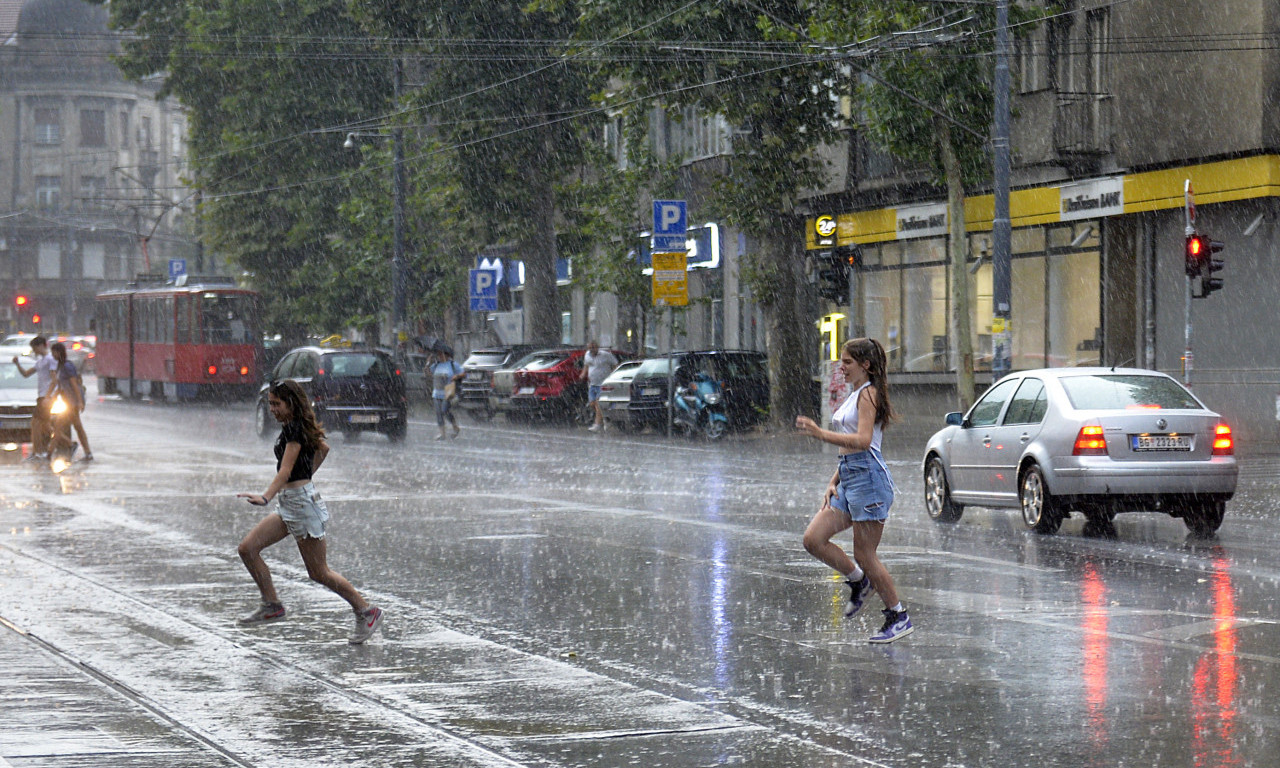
(320, 372)
(1090, 442)
(1223, 444)
(244, 370)
(397, 371)
(212, 370)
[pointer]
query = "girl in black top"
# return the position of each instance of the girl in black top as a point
(300, 450)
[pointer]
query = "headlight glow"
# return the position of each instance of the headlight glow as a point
(59, 405)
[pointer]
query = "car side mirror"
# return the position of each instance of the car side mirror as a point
(955, 419)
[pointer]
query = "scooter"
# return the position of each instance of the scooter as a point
(700, 406)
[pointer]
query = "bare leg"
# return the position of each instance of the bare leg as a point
(866, 539)
(817, 539)
(313, 554)
(268, 531)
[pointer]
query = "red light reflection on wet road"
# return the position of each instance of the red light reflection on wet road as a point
(1214, 685)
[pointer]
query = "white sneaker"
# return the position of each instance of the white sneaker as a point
(593, 428)
(366, 624)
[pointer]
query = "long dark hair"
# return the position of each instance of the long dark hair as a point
(291, 394)
(870, 351)
(59, 352)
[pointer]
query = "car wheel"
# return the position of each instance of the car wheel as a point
(937, 494)
(397, 432)
(714, 429)
(1205, 517)
(1040, 511)
(262, 420)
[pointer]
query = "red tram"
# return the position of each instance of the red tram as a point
(178, 342)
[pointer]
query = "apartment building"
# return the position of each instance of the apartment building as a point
(1116, 107)
(90, 167)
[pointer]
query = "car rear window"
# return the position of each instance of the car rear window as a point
(486, 358)
(356, 365)
(1118, 392)
(654, 366)
(542, 362)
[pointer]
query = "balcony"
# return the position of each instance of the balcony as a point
(1082, 128)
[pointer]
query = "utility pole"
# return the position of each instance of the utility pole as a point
(1001, 227)
(398, 265)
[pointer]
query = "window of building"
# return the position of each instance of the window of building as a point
(49, 261)
(93, 260)
(93, 192)
(48, 126)
(124, 130)
(93, 128)
(48, 192)
(1033, 59)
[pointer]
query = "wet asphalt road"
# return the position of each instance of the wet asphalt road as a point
(556, 598)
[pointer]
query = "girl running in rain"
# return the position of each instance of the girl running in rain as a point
(861, 491)
(300, 450)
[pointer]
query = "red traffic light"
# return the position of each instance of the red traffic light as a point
(1195, 246)
(21, 301)
(1197, 252)
(35, 319)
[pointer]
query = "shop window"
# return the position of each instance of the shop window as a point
(1028, 307)
(882, 290)
(1075, 308)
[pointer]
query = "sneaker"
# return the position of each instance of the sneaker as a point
(87, 457)
(896, 624)
(859, 591)
(366, 624)
(440, 436)
(457, 431)
(593, 428)
(266, 612)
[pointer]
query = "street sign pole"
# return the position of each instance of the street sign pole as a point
(670, 278)
(1189, 209)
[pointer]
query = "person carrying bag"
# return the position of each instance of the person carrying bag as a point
(69, 386)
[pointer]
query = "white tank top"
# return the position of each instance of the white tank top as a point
(845, 419)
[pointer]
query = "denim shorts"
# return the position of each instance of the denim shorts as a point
(865, 492)
(593, 393)
(303, 511)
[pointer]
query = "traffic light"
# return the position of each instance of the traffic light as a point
(1209, 283)
(35, 319)
(834, 268)
(1197, 247)
(21, 302)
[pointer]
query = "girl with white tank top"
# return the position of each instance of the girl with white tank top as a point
(861, 491)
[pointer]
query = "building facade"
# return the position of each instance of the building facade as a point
(1117, 107)
(90, 167)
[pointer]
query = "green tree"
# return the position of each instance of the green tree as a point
(259, 81)
(500, 91)
(733, 60)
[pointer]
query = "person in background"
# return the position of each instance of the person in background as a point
(861, 490)
(443, 373)
(41, 424)
(597, 364)
(70, 387)
(300, 450)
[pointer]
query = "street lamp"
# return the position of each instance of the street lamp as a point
(399, 266)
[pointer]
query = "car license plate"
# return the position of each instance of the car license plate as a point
(365, 418)
(475, 376)
(526, 390)
(650, 392)
(15, 424)
(1161, 442)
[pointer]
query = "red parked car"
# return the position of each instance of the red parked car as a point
(549, 383)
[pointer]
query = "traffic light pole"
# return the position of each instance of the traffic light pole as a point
(1187, 356)
(1189, 210)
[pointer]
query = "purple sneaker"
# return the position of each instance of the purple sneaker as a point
(859, 591)
(896, 624)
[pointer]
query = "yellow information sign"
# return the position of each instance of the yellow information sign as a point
(670, 279)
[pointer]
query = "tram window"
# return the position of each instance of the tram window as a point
(165, 326)
(184, 319)
(226, 319)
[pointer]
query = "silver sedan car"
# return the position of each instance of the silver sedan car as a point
(1096, 441)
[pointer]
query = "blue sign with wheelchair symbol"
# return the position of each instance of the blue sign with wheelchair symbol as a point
(483, 290)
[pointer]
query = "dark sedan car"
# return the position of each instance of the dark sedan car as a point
(743, 377)
(352, 391)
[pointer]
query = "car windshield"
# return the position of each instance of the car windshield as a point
(541, 361)
(10, 378)
(1118, 392)
(483, 357)
(356, 364)
(654, 366)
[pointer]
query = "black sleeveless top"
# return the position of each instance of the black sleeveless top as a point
(293, 432)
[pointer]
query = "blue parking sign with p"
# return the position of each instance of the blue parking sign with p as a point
(670, 226)
(483, 290)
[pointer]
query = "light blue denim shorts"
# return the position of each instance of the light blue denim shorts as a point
(865, 492)
(303, 511)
